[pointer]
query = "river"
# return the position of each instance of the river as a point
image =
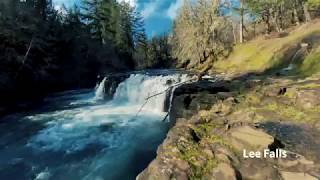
(77, 135)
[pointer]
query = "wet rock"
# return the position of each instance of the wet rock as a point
(185, 106)
(298, 138)
(111, 85)
(200, 87)
(187, 101)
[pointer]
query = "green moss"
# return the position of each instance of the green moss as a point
(289, 112)
(252, 99)
(204, 130)
(200, 162)
(311, 64)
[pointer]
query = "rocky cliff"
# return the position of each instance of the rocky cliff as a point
(216, 123)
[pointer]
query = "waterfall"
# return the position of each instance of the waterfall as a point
(147, 91)
(303, 48)
(109, 133)
(291, 65)
(100, 90)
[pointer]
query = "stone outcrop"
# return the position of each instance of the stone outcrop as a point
(214, 122)
(112, 83)
(249, 138)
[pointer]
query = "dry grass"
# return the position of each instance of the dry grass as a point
(261, 54)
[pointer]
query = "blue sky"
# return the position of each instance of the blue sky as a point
(158, 14)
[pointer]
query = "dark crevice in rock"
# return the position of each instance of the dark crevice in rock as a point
(238, 174)
(187, 101)
(111, 85)
(282, 91)
(167, 101)
(277, 144)
(194, 136)
(202, 86)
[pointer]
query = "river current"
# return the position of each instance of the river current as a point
(76, 135)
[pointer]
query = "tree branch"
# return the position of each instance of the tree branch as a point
(157, 94)
(25, 56)
(28, 51)
(178, 84)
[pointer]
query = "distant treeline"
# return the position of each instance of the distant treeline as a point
(45, 49)
(207, 30)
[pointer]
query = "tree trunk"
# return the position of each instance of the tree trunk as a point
(267, 22)
(234, 33)
(295, 14)
(275, 18)
(281, 17)
(306, 13)
(241, 21)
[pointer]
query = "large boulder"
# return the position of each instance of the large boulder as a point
(111, 85)
(249, 138)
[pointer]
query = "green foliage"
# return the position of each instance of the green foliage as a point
(313, 3)
(200, 34)
(117, 24)
(200, 162)
(49, 49)
(311, 64)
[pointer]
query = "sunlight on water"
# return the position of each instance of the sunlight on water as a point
(85, 139)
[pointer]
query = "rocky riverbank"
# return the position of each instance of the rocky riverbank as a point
(213, 123)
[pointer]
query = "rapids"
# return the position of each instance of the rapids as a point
(77, 135)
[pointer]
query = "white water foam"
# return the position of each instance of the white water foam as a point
(75, 136)
(100, 91)
(138, 89)
(73, 130)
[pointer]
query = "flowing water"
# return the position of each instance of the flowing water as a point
(76, 135)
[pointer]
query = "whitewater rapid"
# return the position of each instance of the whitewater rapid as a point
(77, 135)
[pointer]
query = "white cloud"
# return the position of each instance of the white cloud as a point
(150, 9)
(174, 8)
(57, 7)
(132, 3)
(153, 8)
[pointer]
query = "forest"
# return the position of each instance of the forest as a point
(43, 49)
